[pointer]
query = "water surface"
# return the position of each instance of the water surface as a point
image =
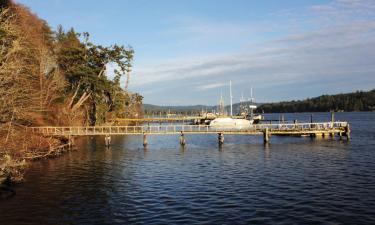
(292, 180)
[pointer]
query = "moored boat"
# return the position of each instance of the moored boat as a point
(228, 122)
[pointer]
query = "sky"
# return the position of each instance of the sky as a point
(187, 51)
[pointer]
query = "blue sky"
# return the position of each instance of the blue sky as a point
(186, 51)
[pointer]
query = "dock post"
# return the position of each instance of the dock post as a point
(182, 139)
(70, 142)
(333, 121)
(340, 134)
(282, 118)
(221, 138)
(332, 135)
(347, 132)
(144, 140)
(107, 140)
(265, 136)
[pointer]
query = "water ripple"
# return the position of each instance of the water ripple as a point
(291, 181)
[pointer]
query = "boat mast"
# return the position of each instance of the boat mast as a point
(221, 105)
(251, 94)
(252, 106)
(241, 103)
(231, 98)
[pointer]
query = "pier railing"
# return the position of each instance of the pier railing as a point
(282, 128)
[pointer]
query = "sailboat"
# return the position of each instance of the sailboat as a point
(249, 113)
(228, 121)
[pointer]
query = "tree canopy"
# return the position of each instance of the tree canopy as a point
(357, 101)
(60, 77)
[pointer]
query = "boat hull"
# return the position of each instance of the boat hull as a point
(231, 123)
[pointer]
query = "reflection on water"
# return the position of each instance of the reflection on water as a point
(291, 180)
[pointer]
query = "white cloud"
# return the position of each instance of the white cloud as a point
(211, 86)
(335, 44)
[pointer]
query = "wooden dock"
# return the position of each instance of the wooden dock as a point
(288, 129)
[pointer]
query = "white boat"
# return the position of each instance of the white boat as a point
(227, 122)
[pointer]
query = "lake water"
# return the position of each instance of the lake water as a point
(293, 180)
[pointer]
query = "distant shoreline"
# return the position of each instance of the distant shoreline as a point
(359, 101)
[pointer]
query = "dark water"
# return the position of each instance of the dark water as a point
(291, 181)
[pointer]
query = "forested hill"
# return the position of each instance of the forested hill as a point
(357, 101)
(54, 78)
(58, 77)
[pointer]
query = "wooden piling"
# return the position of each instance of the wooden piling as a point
(347, 132)
(182, 139)
(145, 140)
(70, 142)
(311, 121)
(265, 136)
(107, 140)
(221, 138)
(295, 123)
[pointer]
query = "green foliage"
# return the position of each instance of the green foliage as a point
(84, 65)
(358, 101)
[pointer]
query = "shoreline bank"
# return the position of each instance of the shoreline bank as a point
(12, 169)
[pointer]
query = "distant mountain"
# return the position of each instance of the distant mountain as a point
(356, 101)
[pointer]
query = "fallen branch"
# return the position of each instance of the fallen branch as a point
(50, 152)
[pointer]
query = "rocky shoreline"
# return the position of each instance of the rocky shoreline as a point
(12, 170)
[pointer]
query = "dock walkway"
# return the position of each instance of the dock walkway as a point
(291, 129)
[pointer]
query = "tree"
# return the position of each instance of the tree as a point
(84, 65)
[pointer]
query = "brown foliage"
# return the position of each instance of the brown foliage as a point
(19, 142)
(29, 81)
(29, 78)
(6, 3)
